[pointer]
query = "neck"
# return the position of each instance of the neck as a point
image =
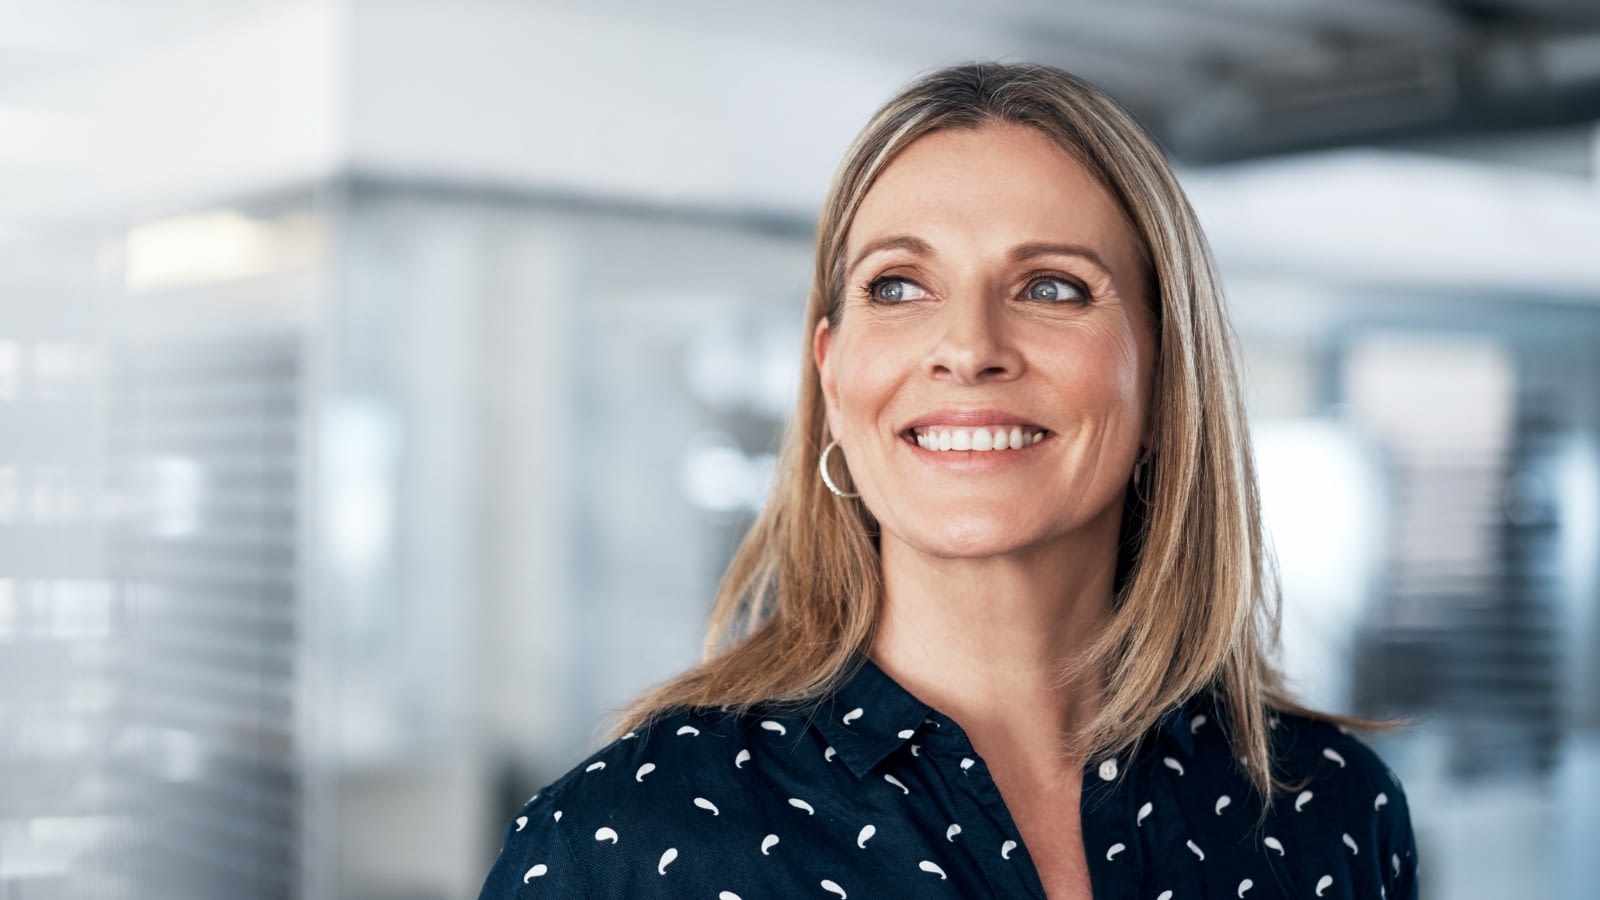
(986, 641)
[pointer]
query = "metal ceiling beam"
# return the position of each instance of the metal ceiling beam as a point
(1496, 83)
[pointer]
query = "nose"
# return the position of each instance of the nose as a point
(974, 346)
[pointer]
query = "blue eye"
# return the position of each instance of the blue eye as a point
(895, 290)
(1055, 290)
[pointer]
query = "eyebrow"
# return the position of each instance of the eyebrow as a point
(1019, 253)
(1028, 251)
(905, 242)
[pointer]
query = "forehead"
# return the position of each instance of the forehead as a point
(998, 185)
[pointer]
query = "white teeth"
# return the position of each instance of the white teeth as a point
(939, 438)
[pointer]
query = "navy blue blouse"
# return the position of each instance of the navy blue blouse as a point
(873, 794)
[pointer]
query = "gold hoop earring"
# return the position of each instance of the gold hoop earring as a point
(822, 466)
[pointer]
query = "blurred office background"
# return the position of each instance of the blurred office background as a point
(384, 383)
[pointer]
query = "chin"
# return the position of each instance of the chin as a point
(970, 539)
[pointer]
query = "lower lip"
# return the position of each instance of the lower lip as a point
(974, 460)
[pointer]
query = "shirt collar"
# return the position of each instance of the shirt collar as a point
(1182, 722)
(869, 717)
(872, 716)
(1178, 725)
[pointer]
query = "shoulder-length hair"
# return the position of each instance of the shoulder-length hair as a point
(1196, 601)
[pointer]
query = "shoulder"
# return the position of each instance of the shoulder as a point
(621, 819)
(1323, 754)
(1342, 795)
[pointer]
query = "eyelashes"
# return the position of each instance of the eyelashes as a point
(1056, 289)
(892, 289)
(1042, 287)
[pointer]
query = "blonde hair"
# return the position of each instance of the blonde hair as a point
(1196, 605)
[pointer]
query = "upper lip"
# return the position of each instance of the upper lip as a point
(970, 418)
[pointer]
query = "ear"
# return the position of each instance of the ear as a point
(821, 346)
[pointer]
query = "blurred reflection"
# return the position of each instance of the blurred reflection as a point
(1321, 496)
(217, 246)
(149, 614)
(719, 477)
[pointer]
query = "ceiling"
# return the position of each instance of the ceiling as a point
(88, 86)
(1217, 79)
(1231, 79)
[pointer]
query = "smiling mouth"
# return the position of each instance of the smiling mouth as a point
(940, 438)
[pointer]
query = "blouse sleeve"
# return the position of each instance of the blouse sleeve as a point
(1400, 868)
(534, 853)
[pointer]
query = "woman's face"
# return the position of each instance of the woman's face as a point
(993, 298)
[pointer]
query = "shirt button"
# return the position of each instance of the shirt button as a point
(1108, 770)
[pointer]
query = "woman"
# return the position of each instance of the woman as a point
(1001, 629)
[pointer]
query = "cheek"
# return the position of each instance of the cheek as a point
(1106, 372)
(868, 370)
